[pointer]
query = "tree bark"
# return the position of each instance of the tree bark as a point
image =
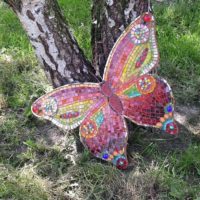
(57, 49)
(110, 18)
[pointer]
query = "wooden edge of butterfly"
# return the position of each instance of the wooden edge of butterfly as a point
(128, 91)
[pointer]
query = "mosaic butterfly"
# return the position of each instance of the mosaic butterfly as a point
(128, 91)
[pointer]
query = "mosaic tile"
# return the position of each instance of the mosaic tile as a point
(128, 91)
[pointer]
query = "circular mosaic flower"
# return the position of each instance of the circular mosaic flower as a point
(89, 129)
(172, 128)
(140, 34)
(50, 106)
(122, 163)
(146, 84)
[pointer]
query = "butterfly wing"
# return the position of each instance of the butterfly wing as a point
(67, 106)
(135, 53)
(148, 101)
(104, 133)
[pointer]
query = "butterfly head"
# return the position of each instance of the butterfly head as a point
(147, 17)
(44, 107)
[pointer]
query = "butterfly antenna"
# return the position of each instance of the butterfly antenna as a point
(149, 6)
(96, 77)
(100, 76)
(154, 71)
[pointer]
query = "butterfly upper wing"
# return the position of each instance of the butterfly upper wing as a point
(135, 53)
(104, 133)
(148, 101)
(67, 106)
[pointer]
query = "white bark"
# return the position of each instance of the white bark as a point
(35, 25)
(56, 48)
(129, 10)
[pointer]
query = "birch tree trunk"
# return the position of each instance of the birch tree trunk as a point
(56, 48)
(110, 18)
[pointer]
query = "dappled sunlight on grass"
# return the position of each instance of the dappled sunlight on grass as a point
(21, 79)
(29, 184)
(80, 28)
(4, 58)
(3, 101)
(179, 44)
(12, 34)
(189, 117)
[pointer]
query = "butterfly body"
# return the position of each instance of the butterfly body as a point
(128, 91)
(113, 100)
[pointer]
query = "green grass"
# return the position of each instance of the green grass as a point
(12, 34)
(22, 184)
(179, 44)
(34, 155)
(78, 15)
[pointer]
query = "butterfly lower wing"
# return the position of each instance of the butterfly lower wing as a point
(135, 53)
(68, 105)
(104, 133)
(148, 101)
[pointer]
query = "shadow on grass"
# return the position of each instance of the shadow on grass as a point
(150, 142)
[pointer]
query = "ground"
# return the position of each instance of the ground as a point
(40, 161)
